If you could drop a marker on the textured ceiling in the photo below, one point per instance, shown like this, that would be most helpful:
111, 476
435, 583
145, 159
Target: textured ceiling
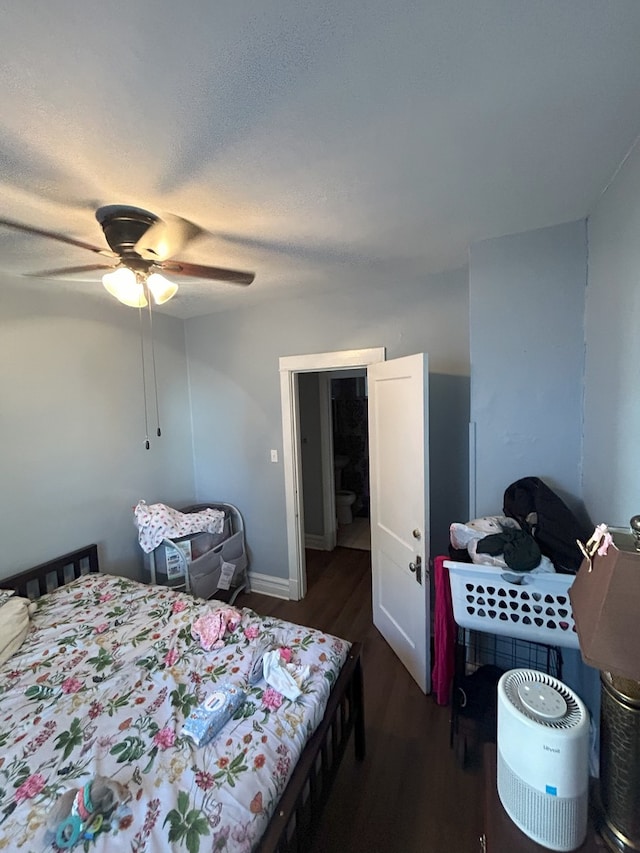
316, 141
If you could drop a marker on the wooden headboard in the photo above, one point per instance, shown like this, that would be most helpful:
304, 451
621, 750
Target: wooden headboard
46, 577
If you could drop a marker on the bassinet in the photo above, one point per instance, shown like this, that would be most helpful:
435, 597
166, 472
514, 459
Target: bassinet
204, 564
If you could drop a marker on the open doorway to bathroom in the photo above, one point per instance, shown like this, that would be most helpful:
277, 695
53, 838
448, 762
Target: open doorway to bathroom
292, 369
350, 428
334, 436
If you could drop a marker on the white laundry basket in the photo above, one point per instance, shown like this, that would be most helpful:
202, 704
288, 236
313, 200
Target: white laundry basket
537, 609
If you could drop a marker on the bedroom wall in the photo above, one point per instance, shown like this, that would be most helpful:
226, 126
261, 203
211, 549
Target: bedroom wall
612, 389
73, 464
527, 298
235, 384
526, 294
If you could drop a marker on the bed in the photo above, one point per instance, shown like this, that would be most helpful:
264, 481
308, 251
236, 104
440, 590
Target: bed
95, 700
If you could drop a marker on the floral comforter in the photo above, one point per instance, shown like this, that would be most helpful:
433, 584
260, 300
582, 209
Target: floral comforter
100, 689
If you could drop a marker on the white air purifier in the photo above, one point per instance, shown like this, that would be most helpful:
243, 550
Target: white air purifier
543, 758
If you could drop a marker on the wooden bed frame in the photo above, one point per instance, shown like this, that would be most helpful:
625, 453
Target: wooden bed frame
296, 818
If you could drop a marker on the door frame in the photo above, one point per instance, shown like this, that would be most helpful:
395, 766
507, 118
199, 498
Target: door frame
290, 367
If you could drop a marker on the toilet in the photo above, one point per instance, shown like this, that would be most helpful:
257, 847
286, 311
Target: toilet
344, 498
344, 502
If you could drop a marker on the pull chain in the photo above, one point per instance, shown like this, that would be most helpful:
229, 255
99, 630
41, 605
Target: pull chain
147, 444
153, 361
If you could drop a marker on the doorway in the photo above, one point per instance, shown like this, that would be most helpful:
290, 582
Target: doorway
290, 369
350, 418
334, 435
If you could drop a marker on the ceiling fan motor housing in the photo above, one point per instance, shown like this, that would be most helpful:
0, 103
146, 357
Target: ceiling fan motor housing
543, 758
123, 226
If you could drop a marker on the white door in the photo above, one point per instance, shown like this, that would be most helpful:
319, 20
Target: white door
399, 457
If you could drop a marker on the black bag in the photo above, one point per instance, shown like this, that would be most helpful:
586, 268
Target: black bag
549, 520
475, 712
476, 695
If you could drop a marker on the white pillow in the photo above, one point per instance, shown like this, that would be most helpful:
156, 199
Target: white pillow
15, 619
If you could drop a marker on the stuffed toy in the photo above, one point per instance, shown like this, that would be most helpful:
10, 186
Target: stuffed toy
81, 813
497, 540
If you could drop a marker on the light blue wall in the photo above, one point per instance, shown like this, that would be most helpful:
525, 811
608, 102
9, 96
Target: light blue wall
235, 383
72, 461
526, 303
612, 376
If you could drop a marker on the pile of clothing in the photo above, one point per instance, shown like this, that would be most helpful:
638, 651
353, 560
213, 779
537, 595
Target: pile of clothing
272, 664
497, 540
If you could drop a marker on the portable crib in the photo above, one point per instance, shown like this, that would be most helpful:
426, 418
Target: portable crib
199, 563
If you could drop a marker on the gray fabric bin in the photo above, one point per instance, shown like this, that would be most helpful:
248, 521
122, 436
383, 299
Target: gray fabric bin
201, 543
204, 572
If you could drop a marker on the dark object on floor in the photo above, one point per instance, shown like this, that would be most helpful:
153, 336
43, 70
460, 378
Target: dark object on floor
474, 711
544, 515
476, 698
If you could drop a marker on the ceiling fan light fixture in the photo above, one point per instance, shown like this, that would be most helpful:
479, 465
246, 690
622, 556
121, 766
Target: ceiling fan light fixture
139, 241
161, 288
124, 284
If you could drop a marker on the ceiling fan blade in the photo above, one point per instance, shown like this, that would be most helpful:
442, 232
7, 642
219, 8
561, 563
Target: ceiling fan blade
166, 237
67, 270
61, 238
216, 273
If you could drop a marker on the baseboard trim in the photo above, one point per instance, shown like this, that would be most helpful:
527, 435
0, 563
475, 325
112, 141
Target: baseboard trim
316, 542
269, 585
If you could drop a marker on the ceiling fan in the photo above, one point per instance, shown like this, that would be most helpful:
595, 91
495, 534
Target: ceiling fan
142, 246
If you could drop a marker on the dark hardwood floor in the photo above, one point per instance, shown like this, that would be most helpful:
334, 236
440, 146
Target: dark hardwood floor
408, 795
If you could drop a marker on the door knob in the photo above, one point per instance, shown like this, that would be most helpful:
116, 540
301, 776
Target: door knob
416, 534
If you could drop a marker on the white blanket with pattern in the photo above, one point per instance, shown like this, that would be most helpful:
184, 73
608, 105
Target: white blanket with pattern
156, 522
